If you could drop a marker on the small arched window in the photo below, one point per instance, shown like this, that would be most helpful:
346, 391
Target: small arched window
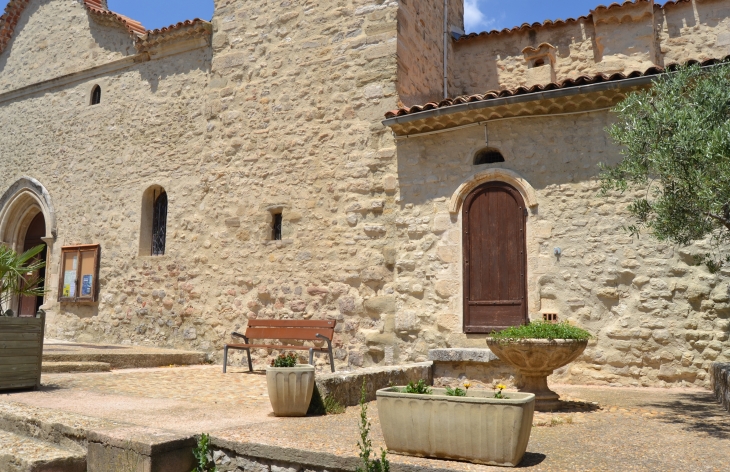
153, 228
159, 224
96, 95
488, 156
539, 62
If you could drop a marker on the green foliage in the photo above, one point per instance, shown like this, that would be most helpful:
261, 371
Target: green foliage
675, 140
332, 406
365, 445
284, 360
542, 330
498, 391
14, 270
203, 456
455, 392
420, 388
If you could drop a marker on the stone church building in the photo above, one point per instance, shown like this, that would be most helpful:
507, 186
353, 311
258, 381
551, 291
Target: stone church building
297, 159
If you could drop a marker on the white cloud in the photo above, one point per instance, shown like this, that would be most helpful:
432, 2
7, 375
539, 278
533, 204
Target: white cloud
474, 18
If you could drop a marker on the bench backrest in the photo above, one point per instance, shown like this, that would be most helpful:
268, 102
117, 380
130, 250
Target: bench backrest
303, 330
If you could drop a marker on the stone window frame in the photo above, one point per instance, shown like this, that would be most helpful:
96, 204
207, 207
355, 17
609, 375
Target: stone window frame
147, 220
95, 98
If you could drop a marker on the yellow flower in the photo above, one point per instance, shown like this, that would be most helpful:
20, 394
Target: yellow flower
501, 386
467, 384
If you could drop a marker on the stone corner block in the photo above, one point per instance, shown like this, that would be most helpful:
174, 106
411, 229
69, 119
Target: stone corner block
148, 449
481, 356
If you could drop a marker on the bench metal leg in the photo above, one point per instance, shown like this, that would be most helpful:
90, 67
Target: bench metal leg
332, 358
225, 358
311, 356
250, 365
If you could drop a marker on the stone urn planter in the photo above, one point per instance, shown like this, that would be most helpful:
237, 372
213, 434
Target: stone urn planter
477, 428
290, 389
535, 359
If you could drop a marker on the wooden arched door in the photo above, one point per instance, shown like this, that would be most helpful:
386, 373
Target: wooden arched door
495, 263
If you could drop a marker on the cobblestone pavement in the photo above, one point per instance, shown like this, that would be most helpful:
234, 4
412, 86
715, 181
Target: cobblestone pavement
604, 429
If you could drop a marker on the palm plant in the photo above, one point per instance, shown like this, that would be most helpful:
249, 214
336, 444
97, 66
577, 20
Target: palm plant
16, 278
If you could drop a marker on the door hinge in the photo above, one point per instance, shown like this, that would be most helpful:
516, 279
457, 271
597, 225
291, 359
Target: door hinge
525, 210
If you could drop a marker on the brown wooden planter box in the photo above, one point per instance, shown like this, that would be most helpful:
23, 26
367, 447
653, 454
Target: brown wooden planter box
21, 352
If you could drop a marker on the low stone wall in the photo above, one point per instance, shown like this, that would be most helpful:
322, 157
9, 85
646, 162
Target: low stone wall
345, 386
453, 366
720, 381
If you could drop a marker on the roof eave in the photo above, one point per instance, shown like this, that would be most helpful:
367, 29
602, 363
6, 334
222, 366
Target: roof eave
528, 97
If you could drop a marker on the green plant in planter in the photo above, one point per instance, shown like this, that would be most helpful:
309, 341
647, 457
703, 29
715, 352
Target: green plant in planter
14, 279
365, 444
542, 330
419, 388
285, 360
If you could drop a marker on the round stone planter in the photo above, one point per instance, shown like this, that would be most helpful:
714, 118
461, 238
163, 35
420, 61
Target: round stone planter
290, 389
535, 359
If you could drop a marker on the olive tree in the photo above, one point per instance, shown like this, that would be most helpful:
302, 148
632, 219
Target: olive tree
17, 275
675, 142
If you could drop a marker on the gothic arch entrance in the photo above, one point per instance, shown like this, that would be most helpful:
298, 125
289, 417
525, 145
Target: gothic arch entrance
495, 260
27, 219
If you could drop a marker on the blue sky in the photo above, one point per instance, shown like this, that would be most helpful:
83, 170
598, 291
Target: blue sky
481, 15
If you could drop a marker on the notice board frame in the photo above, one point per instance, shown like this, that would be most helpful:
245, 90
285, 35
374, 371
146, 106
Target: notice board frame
78, 274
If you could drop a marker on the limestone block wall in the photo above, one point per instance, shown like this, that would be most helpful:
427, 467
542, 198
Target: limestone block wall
632, 37
657, 318
421, 49
39, 52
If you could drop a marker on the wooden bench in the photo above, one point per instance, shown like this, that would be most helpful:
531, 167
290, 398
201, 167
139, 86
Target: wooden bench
294, 330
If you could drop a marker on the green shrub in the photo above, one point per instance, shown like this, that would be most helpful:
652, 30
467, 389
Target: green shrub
332, 406
203, 456
284, 360
455, 392
365, 445
542, 330
419, 388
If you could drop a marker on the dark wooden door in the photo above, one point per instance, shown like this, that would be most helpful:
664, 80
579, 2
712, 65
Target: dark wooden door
28, 306
495, 263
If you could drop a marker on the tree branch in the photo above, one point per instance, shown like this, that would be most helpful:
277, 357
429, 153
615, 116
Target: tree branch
725, 222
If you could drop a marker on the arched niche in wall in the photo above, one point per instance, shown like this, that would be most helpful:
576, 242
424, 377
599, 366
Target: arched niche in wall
490, 175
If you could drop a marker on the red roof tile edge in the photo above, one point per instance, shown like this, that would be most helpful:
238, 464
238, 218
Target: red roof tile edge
14, 8
527, 26
582, 80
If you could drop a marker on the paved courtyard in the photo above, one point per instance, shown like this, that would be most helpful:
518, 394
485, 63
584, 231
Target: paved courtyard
634, 429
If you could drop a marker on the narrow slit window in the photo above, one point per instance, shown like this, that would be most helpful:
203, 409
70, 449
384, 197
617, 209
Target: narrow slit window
276, 236
96, 95
159, 224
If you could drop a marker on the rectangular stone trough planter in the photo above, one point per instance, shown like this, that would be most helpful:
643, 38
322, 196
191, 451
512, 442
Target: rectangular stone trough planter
477, 428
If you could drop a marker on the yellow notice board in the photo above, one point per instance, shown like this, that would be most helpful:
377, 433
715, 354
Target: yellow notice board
79, 273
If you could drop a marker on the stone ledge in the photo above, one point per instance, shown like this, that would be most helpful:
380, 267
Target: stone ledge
345, 386
480, 355
720, 382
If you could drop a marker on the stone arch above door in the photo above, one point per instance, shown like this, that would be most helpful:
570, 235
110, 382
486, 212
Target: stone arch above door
21, 202
493, 175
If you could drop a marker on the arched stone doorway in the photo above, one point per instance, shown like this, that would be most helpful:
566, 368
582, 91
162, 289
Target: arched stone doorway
28, 219
495, 262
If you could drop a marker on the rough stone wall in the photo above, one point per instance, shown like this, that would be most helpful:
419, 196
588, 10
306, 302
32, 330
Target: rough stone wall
720, 383
38, 52
657, 318
619, 39
421, 49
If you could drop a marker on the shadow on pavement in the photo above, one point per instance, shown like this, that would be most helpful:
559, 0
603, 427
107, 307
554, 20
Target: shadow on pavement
696, 412
531, 459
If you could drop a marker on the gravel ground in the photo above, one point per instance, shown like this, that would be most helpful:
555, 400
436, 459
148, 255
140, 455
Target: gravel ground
604, 428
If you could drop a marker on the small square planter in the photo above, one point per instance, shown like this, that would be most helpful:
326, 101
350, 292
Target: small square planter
290, 389
477, 428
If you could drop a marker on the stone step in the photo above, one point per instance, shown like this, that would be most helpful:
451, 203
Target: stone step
119, 356
74, 367
24, 454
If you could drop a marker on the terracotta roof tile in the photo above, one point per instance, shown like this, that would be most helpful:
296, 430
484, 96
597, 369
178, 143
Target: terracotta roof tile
578, 81
98, 8
529, 26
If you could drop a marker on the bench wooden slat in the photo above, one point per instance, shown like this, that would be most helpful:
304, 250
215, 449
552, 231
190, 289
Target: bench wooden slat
304, 334
283, 347
292, 323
